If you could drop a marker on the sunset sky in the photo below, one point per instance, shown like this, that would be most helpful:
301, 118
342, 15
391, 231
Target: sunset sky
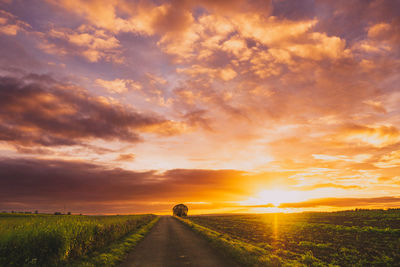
121, 106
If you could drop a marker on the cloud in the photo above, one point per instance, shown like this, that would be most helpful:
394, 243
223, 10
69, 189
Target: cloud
38, 110
378, 30
89, 42
376, 106
386, 33
198, 118
357, 158
236, 6
155, 79
328, 185
37, 183
346, 202
14, 57
378, 136
141, 17
126, 157
224, 74
321, 47
145, 17
118, 85
389, 160
10, 24
382, 38
99, 13
167, 128
183, 34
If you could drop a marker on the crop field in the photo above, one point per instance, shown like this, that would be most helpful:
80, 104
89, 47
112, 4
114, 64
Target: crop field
350, 238
50, 240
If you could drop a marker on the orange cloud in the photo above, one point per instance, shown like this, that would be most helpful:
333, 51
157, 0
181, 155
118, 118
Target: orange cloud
321, 47
377, 30
118, 85
376, 136
328, 185
346, 202
355, 158
389, 160
100, 13
86, 41
382, 38
126, 157
225, 74
10, 24
167, 128
376, 105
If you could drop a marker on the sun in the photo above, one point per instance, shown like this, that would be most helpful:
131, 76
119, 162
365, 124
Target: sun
276, 197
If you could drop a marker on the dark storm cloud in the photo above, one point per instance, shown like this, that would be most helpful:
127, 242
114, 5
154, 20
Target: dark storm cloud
38, 110
41, 182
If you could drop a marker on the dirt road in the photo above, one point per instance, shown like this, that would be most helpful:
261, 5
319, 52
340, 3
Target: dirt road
171, 243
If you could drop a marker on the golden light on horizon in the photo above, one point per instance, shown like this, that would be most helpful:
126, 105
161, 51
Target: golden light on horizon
276, 197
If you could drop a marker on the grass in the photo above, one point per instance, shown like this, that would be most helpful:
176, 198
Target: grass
117, 252
358, 238
56, 240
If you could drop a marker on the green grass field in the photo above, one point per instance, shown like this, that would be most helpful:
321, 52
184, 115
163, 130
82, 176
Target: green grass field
52, 240
351, 238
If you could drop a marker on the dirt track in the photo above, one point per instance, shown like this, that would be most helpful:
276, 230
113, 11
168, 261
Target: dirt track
170, 243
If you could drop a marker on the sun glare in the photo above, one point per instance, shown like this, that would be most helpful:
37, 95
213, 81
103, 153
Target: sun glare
275, 197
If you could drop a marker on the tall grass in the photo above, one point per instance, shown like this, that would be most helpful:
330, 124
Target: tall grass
48, 240
116, 252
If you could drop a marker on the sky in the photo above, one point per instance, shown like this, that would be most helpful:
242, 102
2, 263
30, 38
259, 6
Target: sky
118, 106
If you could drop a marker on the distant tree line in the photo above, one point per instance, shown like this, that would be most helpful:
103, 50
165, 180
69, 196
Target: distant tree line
36, 212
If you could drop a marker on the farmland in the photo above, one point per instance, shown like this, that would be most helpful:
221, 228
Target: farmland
50, 240
350, 238
347, 238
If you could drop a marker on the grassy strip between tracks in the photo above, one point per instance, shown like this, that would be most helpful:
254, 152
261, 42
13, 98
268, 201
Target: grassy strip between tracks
243, 253
116, 252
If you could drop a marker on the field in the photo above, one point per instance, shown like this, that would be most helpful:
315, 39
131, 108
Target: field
50, 240
350, 238
347, 238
